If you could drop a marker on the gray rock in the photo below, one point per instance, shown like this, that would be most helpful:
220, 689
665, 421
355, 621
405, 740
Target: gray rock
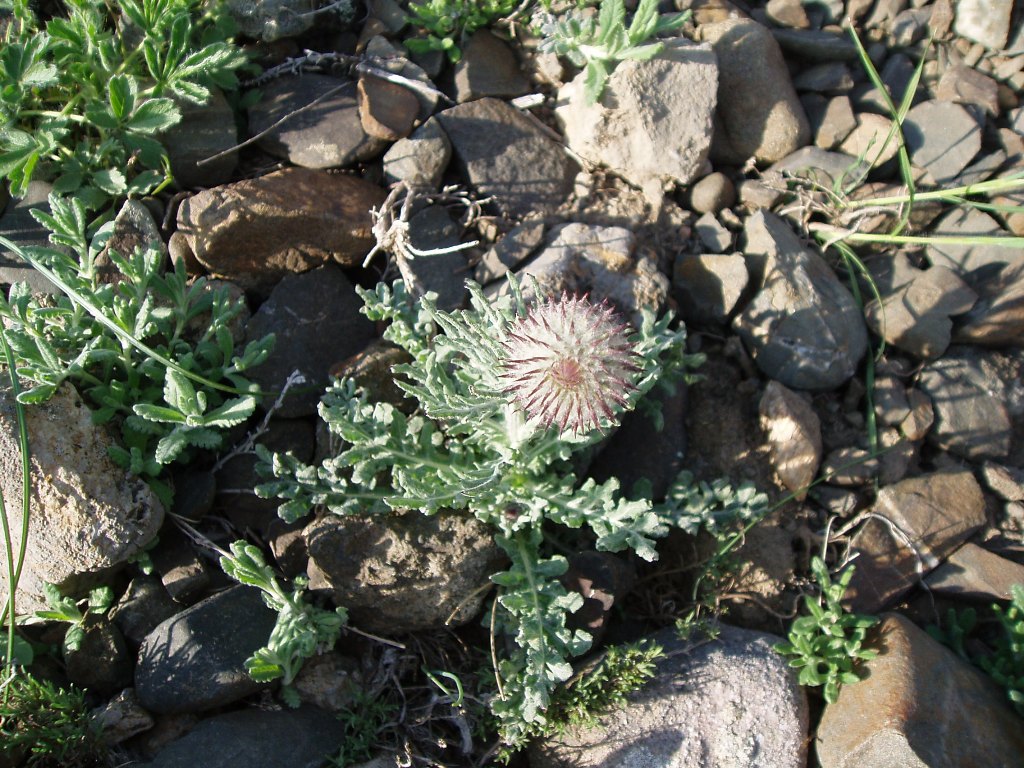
195, 661
102, 663
443, 273
18, 226
966, 85
891, 402
392, 59
509, 252
916, 524
942, 137
921, 417
327, 135
997, 318
205, 130
803, 327
183, 573
505, 154
488, 68
316, 319
823, 78
787, 13
816, 44
794, 437
403, 573
975, 573
761, 116
88, 515
909, 27
387, 110
850, 467
143, 606
731, 702
966, 258
122, 717
984, 21
270, 20
816, 164
708, 287
420, 159
971, 418
134, 229
712, 193
283, 738
918, 705
653, 122
1005, 482
712, 235
870, 139
916, 317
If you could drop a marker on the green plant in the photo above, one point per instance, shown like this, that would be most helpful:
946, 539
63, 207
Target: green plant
825, 644
361, 723
598, 44
84, 99
134, 346
73, 612
49, 724
302, 629
494, 435
449, 22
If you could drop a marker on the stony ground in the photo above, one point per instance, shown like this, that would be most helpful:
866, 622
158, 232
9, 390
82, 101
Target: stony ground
677, 190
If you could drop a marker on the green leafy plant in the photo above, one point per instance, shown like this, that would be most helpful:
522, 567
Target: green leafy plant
84, 98
501, 391
361, 722
826, 644
302, 629
134, 346
47, 726
75, 612
598, 44
448, 23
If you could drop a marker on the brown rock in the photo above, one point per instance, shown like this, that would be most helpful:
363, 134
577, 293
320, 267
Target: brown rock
794, 435
919, 705
975, 573
258, 230
386, 110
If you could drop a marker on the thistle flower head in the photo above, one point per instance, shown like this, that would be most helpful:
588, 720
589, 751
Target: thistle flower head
569, 363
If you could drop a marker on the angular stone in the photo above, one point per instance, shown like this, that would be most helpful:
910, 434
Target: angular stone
504, 154
975, 573
850, 467
997, 319
943, 138
18, 225
443, 273
803, 326
488, 68
837, 121
868, 139
652, 124
88, 516
918, 706
258, 230
794, 437
195, 145
509, 252
967, 258
122, 717
816, 44
984, 21
921, 417
195, 661
708, 287
386, 110
917, 523
1005, 482
966, 85
729, 702
761, 116
421, 159
270, 20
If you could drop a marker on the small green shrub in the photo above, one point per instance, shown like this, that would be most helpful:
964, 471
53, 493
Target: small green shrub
449, 22
73, 613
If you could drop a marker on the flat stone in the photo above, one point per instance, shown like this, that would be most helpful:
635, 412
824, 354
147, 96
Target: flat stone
421, 159
709, 286
761, 116
794, 437
868, 140
984, 21
971, 417
816, 164
965, 221
488, 68
387, 110
18, 225
919, 705
1006, 482
443, 273
195, 661
317, 321
975, 573
836, 122
916, 317
653, 121
916, 424
256, 231
205, 130
270, 20
850, 467
816, 44
803, 326
942, 137
787, 13
509, 252
504, 154
997, 318
729, 702
822, 78
89, 516
966, 85
327, 135
142, 607
712, 235
925, 519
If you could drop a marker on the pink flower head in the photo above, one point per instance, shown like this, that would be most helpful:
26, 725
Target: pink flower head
569, 363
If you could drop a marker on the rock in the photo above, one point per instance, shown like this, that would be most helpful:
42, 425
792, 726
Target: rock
504, 154
599, 261
371, 370
443, 273
327, 135
967, 258
258, 230
787, 13
205, 131
121, 718
712, 193
195, 661
746, 710
824, 78
89, 516
916, 317
509, 252
393, 60
488, 68
942, 138
387, 110
918, 522
316, 319
816, 164
835, 123
708, 287
330, 681
183, 573
284, 738
891, 402
143, 606
794, 437
761, 116
134, 229
102, 663
921, 417
652, 124
850, 467
816, 44
971, 418
918, 705
997, 318
909, 27
270, 20
712, 235
421, 159
870, 139
803, 326
602, 580
974, 573
966, 85
984, 21
18, 226
1006, 482
403, 573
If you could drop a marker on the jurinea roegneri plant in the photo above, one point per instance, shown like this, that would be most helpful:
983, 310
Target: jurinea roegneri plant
505, 393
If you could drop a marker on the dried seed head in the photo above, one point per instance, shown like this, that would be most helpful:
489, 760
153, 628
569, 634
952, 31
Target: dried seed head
568, 363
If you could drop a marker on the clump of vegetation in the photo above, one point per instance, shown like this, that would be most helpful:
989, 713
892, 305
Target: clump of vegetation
448, 23
74, 612
826, 643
